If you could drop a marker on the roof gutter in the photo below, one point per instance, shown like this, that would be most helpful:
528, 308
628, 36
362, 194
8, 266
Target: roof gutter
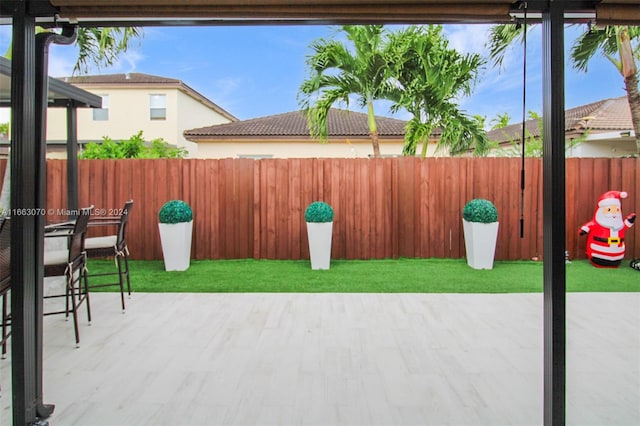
624, 134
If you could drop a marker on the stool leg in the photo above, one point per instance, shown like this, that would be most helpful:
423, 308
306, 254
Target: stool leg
126, 269
120, 273
5, 318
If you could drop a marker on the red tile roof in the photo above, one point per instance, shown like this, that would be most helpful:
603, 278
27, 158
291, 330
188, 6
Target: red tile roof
126, 78
294, 124
601, 116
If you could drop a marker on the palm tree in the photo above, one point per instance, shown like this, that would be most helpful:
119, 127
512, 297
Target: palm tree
616, 43
98, 46
430, 78
341, 70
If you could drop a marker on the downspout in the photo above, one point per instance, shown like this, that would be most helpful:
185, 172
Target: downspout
43, 40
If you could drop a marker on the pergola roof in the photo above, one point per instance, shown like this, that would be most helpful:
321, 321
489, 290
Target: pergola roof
60, 94
91, 12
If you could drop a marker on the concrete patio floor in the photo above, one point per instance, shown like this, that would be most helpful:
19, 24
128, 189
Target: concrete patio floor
336, 359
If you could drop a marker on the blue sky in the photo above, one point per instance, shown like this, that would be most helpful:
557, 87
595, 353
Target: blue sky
256, 71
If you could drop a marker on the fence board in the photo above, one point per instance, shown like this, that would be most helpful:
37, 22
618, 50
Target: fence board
363, 209
630, 176
403, 217
296, 218
394, 225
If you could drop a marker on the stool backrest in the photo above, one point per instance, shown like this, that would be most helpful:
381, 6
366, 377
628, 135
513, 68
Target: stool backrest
76, 240
124, 218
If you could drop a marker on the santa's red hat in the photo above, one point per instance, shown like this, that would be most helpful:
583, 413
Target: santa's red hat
611, 198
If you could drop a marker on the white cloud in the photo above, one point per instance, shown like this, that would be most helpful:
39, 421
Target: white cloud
128, 61
61, 65
225, 92
227, 85
469, 38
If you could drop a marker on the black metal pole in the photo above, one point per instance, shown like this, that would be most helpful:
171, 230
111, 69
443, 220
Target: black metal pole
554, 215
72, 158
29, 89
26, 234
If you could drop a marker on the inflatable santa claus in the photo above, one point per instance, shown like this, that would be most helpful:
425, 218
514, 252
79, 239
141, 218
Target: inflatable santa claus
605, 241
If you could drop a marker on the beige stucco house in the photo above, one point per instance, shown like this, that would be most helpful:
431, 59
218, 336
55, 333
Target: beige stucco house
601, 129
287, 136
161, 107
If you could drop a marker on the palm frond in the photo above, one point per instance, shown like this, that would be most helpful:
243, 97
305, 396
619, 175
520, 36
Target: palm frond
587, 45
102, 46
500, 38
462, 133
416, 133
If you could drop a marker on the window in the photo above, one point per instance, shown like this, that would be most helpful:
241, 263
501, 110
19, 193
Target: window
102, 114
158, 107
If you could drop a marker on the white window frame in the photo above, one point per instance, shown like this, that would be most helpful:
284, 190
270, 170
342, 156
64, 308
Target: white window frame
157, 106
102, 114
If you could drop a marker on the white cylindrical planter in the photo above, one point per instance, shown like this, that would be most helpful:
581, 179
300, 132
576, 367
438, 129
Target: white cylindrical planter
480, 243
319, 234
176, 245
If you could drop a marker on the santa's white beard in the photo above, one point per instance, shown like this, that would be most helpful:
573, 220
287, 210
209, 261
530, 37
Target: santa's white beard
613, 222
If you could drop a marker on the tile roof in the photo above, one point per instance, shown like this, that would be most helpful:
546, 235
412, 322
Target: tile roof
601, 116
126, 78
294, 124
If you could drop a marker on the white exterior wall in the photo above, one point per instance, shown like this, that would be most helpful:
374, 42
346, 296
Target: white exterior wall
192, 115
604, 148
129, 113
287, 149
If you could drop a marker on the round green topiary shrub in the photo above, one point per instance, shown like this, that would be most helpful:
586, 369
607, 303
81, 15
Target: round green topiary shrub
175, 211
480, 210
318, 211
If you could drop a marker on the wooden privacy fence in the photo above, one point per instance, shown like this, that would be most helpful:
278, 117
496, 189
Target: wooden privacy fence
384, 208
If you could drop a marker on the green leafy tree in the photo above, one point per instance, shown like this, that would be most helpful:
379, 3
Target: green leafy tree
500, 121
107, 149
134, 147
357, 67
533, 144
160, 148
430, 78
619, 44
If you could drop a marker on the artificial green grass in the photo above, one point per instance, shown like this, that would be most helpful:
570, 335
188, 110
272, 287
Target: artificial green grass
367, 276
